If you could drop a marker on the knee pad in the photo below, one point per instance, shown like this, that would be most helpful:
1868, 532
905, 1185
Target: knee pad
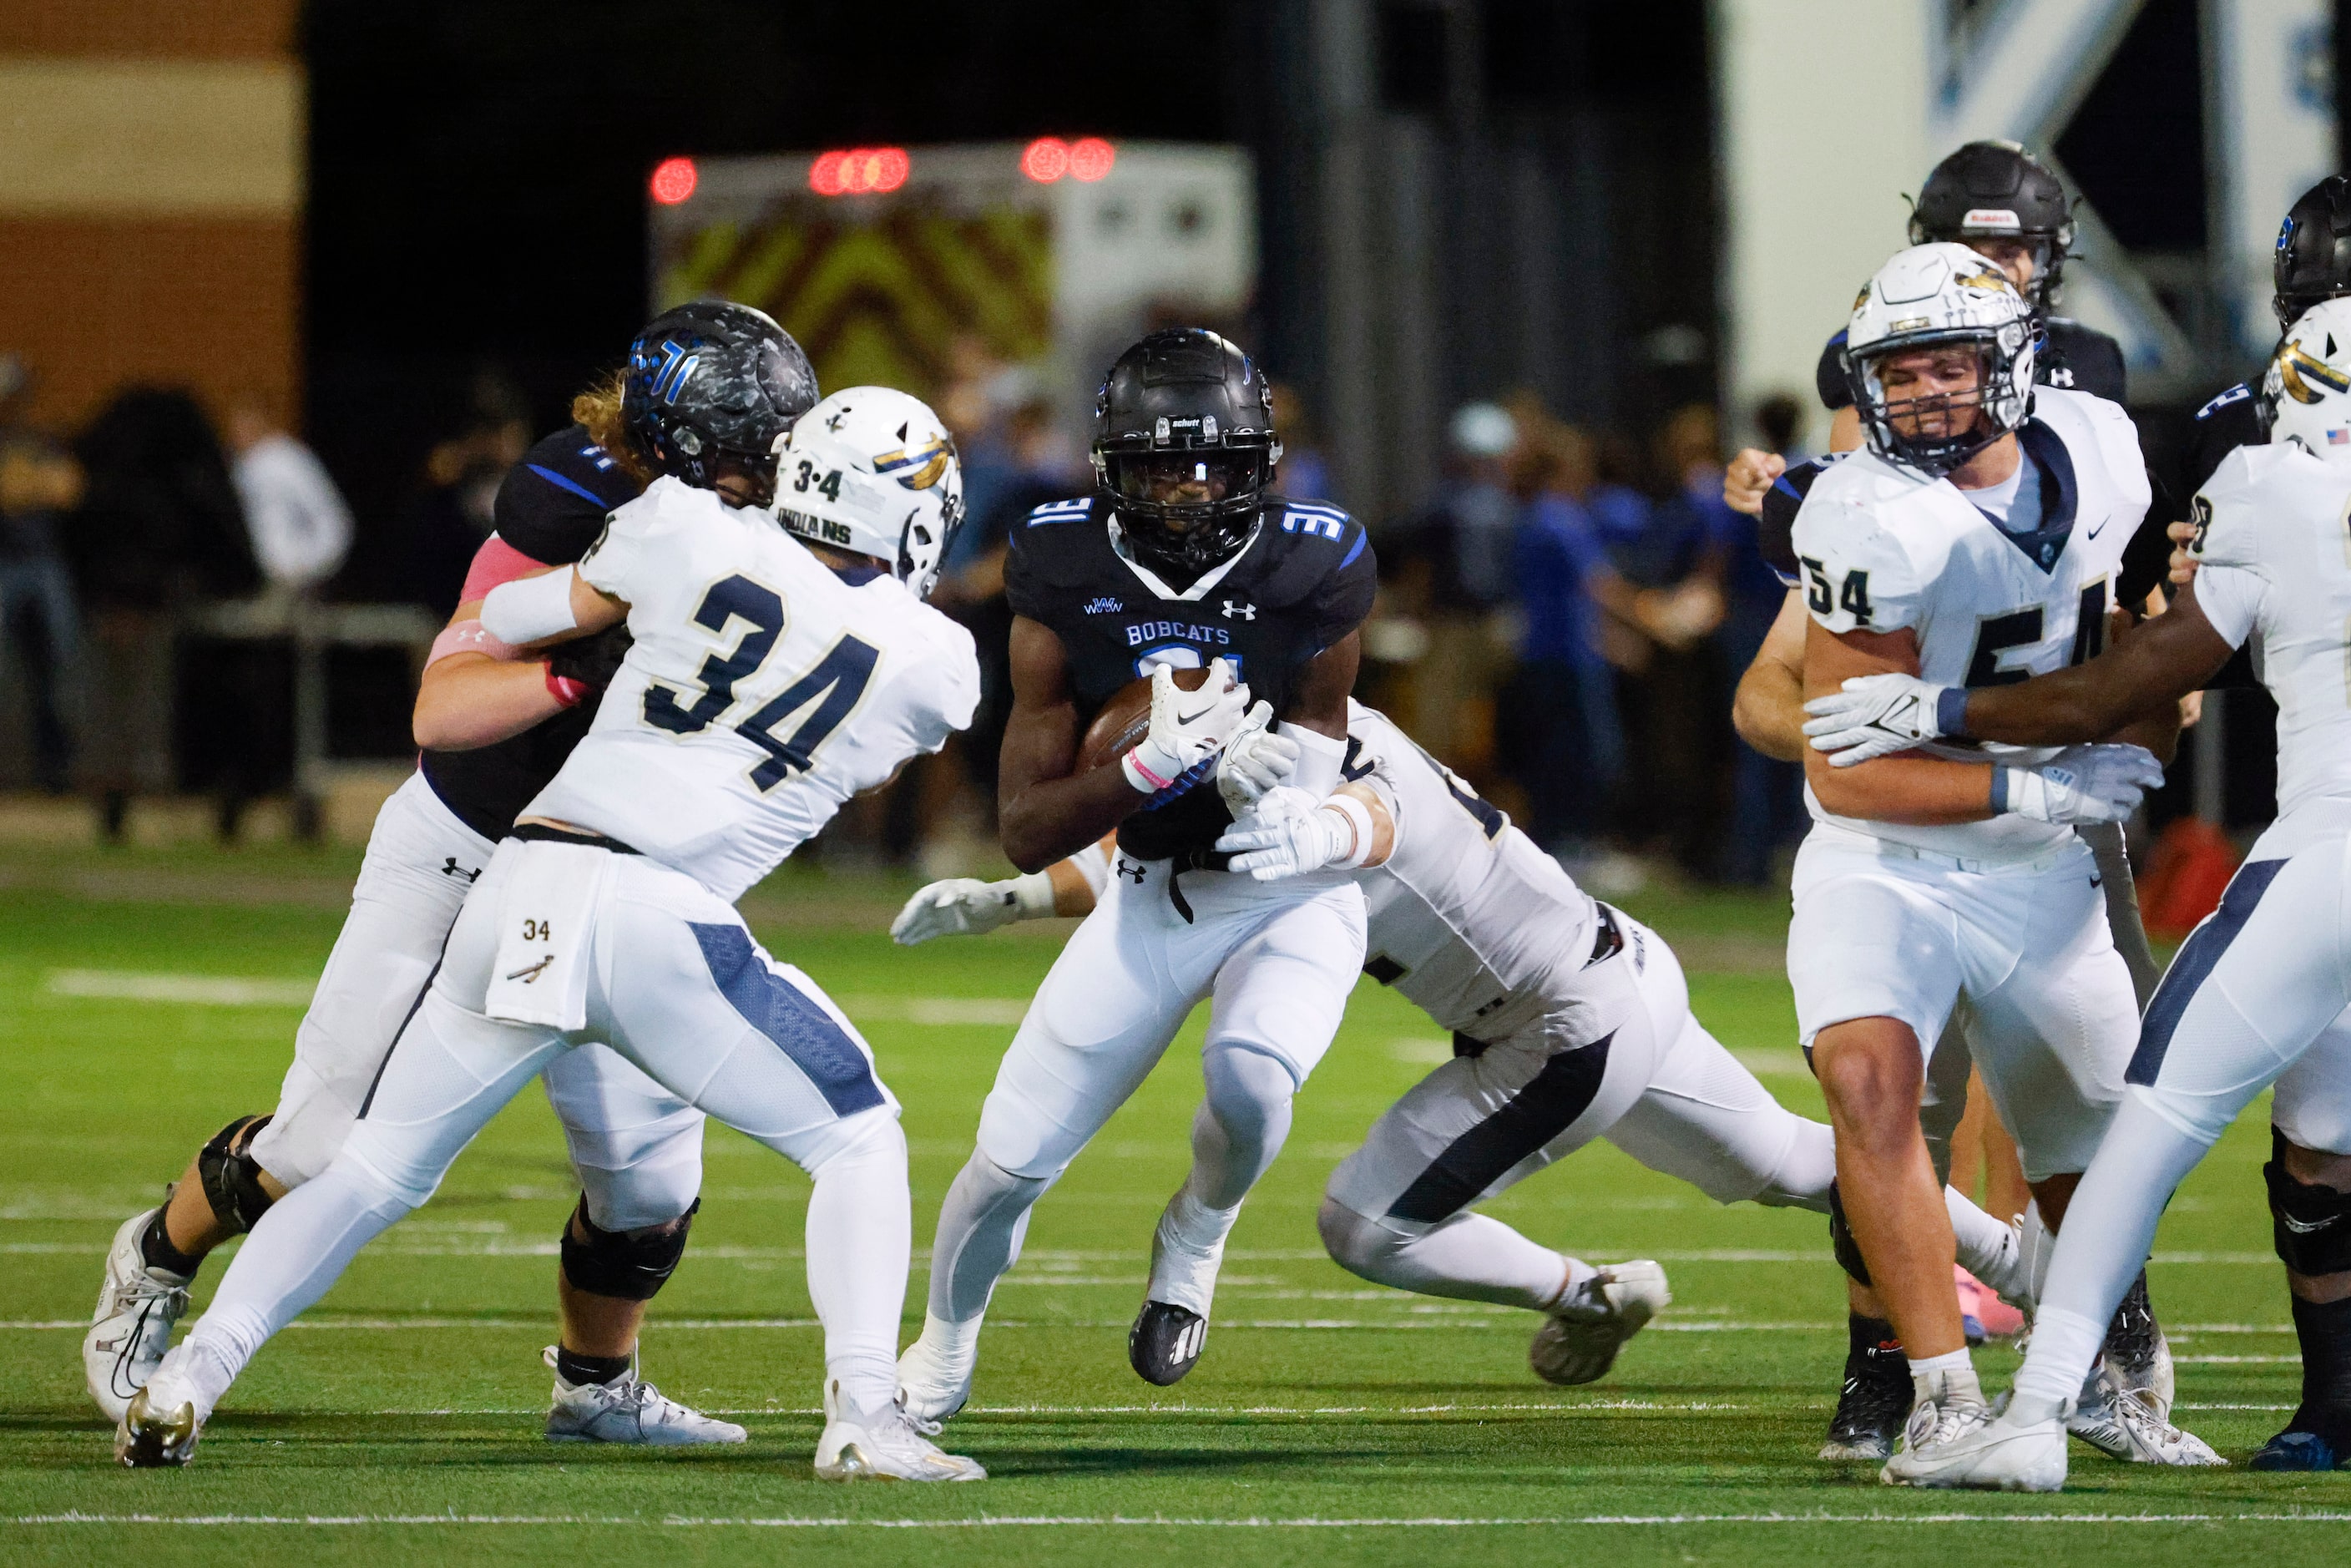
2311, 1225
1246, 1084
1841, 1241
1354, 1243
630, 1265
232, 1177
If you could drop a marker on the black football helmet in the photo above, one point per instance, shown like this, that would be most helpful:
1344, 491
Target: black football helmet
1184, 409
1996, 190
2314, 249
709, 379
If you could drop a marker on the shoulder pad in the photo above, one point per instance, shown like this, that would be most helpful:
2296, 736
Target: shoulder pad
2235, 393
1312, 541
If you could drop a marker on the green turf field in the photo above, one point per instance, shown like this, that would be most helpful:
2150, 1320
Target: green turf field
1331, 1421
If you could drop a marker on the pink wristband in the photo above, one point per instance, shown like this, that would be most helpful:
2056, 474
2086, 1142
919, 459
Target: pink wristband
567, 691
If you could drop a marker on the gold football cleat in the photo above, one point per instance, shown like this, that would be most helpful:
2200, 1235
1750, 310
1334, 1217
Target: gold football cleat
147, 1438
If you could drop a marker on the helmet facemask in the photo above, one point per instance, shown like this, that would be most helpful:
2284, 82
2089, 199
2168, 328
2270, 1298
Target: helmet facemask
1186, 508
1945, 429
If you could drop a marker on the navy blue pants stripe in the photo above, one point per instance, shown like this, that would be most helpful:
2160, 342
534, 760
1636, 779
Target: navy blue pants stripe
2194, 965
1536, 1114
799, 1029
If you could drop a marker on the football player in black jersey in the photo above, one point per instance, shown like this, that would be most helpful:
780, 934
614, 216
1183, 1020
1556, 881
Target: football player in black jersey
708, 392
1180, 558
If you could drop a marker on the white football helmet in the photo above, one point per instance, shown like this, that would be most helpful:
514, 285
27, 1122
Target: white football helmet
2308, 384
1927, 295
873, 472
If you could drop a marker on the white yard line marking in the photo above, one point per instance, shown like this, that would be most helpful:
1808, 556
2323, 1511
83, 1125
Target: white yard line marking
203, 990
250, 991
1048, 1522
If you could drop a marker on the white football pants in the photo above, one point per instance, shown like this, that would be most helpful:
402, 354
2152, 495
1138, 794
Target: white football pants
1276, 960
1880, 931
676, 986
2254, 998
636, 1148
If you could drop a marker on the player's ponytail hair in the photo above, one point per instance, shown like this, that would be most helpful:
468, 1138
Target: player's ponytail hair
599, 410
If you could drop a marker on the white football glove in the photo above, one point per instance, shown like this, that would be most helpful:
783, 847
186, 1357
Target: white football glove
2080, 784
1255, 761
1187, 730
1289, 834
966, 906
1876, 715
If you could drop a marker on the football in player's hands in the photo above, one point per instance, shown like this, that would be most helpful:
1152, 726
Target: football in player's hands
1187, 724
1125, 718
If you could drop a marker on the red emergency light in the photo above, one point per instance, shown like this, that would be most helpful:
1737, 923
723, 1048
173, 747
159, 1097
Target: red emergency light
1049, 158
858, 170
674, 180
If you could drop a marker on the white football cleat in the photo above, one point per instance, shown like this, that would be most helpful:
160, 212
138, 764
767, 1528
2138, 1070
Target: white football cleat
1965, 1445
935, 1374
2125, 1424
1582, 1333
628, 1410
132, 1328
159, 1428
889, 1446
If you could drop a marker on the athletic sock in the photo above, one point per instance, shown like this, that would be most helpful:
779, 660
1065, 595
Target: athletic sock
155, 1248
578, 1369
1868, 1338
860, 1233
2325, 1330
1949, 1378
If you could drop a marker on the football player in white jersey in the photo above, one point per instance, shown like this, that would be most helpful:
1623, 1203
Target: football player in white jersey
2258, 993
769, 679
1571, 1021
1974, 541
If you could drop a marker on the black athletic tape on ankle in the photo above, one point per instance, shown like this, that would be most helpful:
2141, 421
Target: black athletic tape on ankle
576, 1369
155, 1248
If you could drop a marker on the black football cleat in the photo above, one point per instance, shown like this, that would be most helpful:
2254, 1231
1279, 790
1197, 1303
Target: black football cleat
1165, 1342
2294, 1450
1873, 1406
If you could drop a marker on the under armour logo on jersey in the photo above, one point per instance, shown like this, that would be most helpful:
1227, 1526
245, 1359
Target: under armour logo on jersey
1126, 867
1104, 604
2060, 377
449, 867
1235, 608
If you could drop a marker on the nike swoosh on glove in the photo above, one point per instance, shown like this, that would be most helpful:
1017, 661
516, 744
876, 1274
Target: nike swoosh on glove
1876, 716
2080, 784
1187, 730
1254, 761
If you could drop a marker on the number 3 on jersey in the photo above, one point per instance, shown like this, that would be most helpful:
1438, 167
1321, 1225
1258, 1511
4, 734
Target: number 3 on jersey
839, 679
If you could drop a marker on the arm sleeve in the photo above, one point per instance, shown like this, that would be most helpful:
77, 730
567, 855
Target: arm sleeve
496, 562
1856, 575
2231, 598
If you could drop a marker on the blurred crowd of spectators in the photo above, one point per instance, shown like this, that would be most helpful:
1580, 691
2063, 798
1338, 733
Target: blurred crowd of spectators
1561, 623
1564, 623
108, 538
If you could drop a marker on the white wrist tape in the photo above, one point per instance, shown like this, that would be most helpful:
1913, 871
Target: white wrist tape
1358, 819
1319, 758
530, 608
1032, 895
